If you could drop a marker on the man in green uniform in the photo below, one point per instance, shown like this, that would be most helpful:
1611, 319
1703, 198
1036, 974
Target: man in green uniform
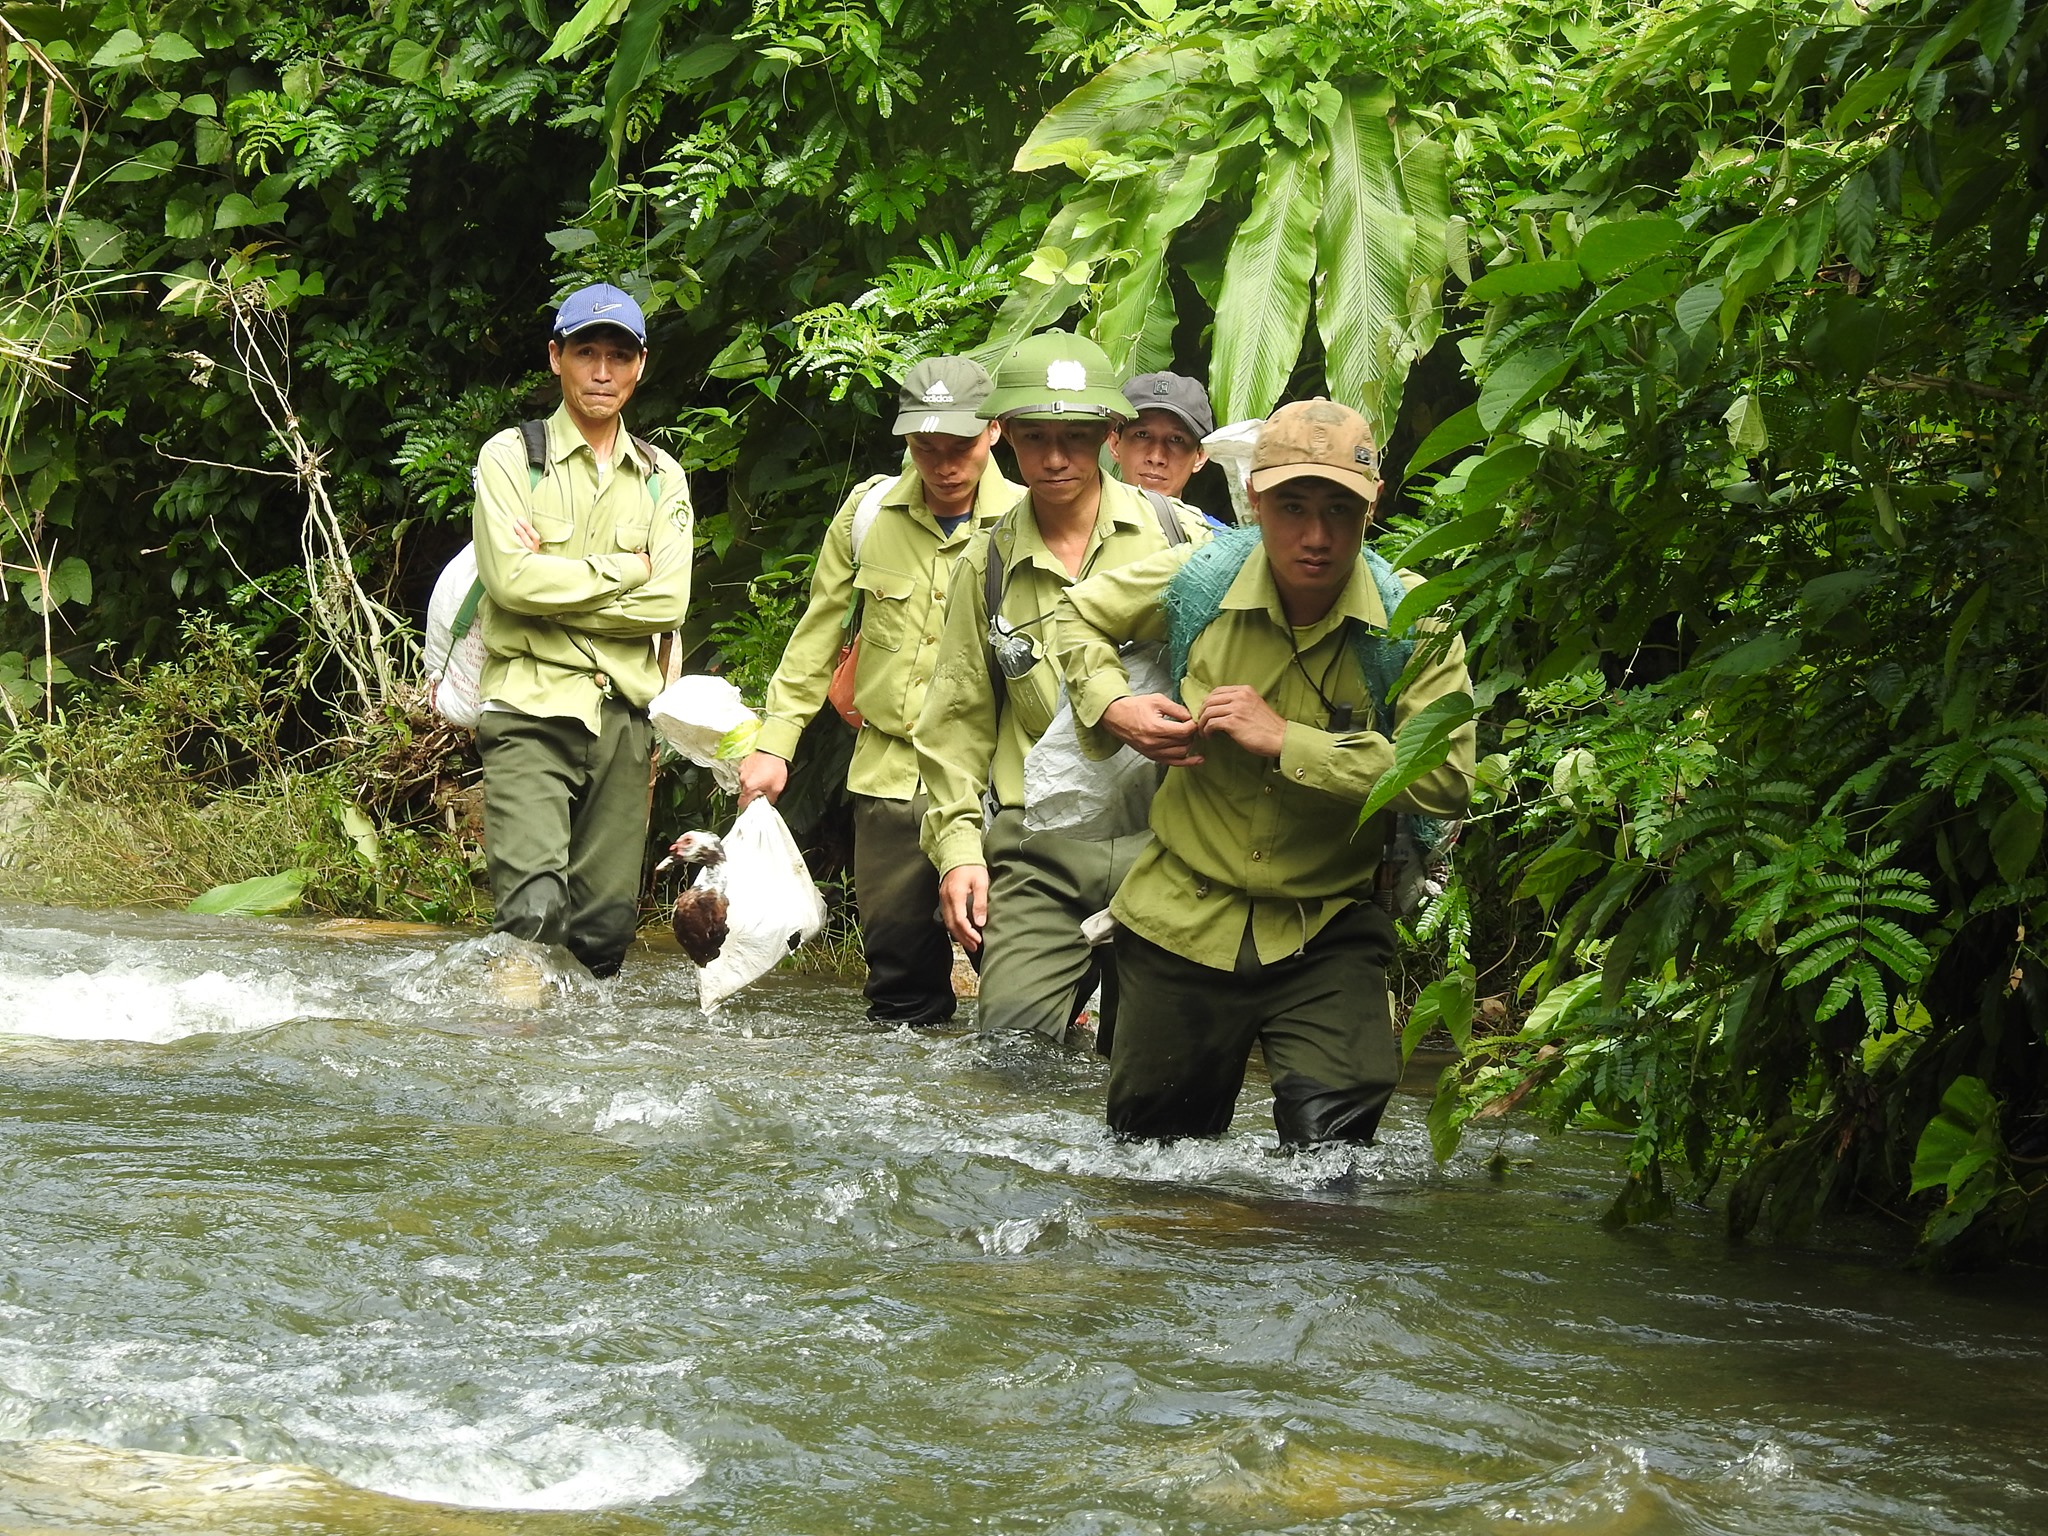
1017, 899
583, 550
1251, 918
908, 529
1161, 447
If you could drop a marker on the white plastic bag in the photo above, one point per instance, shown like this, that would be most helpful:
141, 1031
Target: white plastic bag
455, 664
1230, 447
699, 716
772, 904
1067, 792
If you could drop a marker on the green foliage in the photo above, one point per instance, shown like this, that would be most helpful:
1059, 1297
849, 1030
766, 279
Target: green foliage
1757, 437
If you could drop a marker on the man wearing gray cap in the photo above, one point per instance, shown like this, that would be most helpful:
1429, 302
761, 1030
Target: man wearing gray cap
877, 610
583, 553
1161, 447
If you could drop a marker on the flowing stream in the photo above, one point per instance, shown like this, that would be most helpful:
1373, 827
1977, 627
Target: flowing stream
328, 1229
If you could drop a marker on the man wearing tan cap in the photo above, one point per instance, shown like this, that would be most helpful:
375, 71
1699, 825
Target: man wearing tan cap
882, 574
1250, 919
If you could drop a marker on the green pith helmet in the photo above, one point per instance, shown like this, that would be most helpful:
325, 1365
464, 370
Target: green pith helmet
1056, 376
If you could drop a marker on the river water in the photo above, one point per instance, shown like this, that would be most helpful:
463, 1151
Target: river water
320, 1230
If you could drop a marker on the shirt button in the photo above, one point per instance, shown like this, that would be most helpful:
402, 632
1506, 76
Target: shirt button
1256, 855
1201, 887
1267, 790
1297, 773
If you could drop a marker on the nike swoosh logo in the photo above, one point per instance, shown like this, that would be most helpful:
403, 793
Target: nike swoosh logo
604, 309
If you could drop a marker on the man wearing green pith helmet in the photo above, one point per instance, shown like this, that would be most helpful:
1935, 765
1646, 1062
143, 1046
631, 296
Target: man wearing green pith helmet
1019, 900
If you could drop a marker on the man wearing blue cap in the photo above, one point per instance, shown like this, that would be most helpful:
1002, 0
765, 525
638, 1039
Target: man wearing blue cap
583, 551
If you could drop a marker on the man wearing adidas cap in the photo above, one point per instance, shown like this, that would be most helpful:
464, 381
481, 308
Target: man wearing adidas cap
908, 528
1019, 900
1251, 917
583, 552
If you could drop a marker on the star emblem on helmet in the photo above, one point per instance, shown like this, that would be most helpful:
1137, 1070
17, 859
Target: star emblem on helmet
1066, 373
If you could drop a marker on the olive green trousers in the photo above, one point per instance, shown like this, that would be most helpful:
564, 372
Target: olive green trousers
909, 955
1036, 969
1321, 1015
565, 828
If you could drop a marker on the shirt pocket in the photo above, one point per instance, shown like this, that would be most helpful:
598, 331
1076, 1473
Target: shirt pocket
885, 605
554, 527
632, 531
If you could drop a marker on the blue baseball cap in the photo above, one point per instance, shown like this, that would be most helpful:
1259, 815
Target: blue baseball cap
600, 304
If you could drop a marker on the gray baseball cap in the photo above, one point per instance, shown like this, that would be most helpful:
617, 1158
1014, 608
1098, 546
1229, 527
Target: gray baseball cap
1174, 392
940, 395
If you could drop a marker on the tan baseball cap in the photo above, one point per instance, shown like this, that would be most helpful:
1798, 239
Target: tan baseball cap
1317, 438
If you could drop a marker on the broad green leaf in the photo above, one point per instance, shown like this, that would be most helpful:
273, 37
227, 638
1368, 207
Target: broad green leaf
1559, 1002
1370, 311
591, 17
411, 61
1460, 430
123, 50
1422, 744
170, 48
153, 162
1474, 528
1768, 650
1133, 301
1647, 285
1426, 188
1262, 313
265, 896
237, 212
1522, 378
1618, 244
701, 61
1523, 279
1498, 472
1090, 113
2015, 839
1697, 305
1856, 220
1865, 95
739, 741
741, 358
637, 53
1446, 1001
70, 581
1747, 434
574, 238
1966, 1128
363, 833
97, 243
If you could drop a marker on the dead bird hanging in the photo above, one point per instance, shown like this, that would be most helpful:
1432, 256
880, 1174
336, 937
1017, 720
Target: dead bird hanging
699, 918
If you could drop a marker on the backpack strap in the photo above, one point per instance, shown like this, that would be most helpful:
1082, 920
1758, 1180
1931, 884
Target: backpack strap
864, 516
1169, 525
992, 585
535, 435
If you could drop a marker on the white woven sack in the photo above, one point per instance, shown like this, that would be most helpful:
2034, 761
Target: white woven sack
695, 714
455, 668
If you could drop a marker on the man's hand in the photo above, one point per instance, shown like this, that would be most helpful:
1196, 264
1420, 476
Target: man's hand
963, 903
1237, 711
1158, 727
763, 776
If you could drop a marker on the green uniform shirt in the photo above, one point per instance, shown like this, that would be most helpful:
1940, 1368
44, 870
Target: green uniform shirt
905, 568
961, 744
562, 624
1242, 838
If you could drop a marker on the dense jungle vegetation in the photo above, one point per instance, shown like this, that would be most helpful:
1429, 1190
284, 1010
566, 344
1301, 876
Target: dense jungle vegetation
1707, 339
